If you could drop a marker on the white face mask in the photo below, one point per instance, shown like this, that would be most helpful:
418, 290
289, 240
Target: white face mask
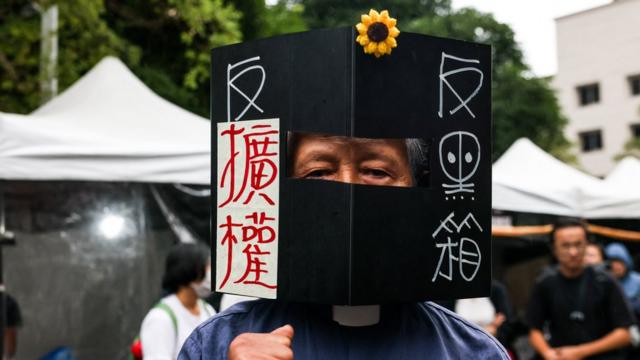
203, 288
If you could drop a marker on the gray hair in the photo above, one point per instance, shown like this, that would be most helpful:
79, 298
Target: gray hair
418, 156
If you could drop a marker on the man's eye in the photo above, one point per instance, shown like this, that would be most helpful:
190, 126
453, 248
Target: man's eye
318, 174
376, 173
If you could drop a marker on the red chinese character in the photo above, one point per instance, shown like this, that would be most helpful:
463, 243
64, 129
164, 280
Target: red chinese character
260, 170
230, 239
265, 234
254, 266
229, 168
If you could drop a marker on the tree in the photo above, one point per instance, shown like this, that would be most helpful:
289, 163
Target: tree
523, 106
631, 148
176, 37
84, 39
283, 18
333, 13
260, 21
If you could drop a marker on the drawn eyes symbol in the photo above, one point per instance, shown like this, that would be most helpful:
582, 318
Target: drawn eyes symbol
468, 158
451, 157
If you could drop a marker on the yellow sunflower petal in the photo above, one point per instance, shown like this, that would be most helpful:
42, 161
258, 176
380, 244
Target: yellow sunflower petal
384, 16
391, 22
366, 19
377, 54
371, 47
393, 32
388, 50
362, 40
382, 47
374, 15
391, 42
362, 28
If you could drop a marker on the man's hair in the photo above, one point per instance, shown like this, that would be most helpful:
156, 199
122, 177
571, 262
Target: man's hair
185, 264
562, 223
418, 156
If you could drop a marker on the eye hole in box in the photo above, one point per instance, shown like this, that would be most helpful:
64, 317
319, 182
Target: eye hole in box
383, 162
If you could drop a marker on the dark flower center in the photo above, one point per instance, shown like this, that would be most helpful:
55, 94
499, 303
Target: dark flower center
377, 32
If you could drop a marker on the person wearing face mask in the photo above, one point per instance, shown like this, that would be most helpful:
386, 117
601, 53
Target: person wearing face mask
187, 279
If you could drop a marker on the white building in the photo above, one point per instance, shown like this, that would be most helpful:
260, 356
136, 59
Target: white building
598, 80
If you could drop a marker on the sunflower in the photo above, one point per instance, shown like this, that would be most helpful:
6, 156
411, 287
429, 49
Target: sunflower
377, 33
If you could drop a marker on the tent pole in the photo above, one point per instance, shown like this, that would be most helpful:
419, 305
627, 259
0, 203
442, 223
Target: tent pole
48, 53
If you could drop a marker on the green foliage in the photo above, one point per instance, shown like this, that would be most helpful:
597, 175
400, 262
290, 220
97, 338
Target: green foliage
283, 18
333, 13
631, 148
472, 25
167, 44
19, 57
526, 107
176, 37
252, 21
260, 21
84, 39
522, 106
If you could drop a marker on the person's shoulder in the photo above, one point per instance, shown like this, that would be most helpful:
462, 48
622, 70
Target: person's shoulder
600, 274
171, 301
635, 276
463, 334
548, 277
211, 338
548, 274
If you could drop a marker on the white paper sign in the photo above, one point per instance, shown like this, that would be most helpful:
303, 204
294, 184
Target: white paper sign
247, 207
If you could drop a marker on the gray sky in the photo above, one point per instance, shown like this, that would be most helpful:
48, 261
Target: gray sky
532, 21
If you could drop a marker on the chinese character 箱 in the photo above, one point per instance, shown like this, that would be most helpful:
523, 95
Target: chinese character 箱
465, 252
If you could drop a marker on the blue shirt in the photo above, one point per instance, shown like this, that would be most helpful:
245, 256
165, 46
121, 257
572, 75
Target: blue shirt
405, 331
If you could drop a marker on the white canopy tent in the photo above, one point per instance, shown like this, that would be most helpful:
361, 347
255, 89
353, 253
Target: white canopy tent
624, 180
527, 179
108, 126
626, 175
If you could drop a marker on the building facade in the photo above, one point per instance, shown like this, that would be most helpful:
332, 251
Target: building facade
598, 81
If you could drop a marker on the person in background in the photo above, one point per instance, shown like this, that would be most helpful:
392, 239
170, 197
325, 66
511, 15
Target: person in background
12, 321
594, 255
187, 279
621, 266
584, 308
492, 313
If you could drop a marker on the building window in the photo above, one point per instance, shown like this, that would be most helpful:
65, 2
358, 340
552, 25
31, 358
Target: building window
588, 94
635, 131
591, 140
634, 84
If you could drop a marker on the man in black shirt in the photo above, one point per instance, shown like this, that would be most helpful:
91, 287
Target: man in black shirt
584, 308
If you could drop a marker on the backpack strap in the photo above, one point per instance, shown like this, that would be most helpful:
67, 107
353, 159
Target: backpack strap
167, 309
